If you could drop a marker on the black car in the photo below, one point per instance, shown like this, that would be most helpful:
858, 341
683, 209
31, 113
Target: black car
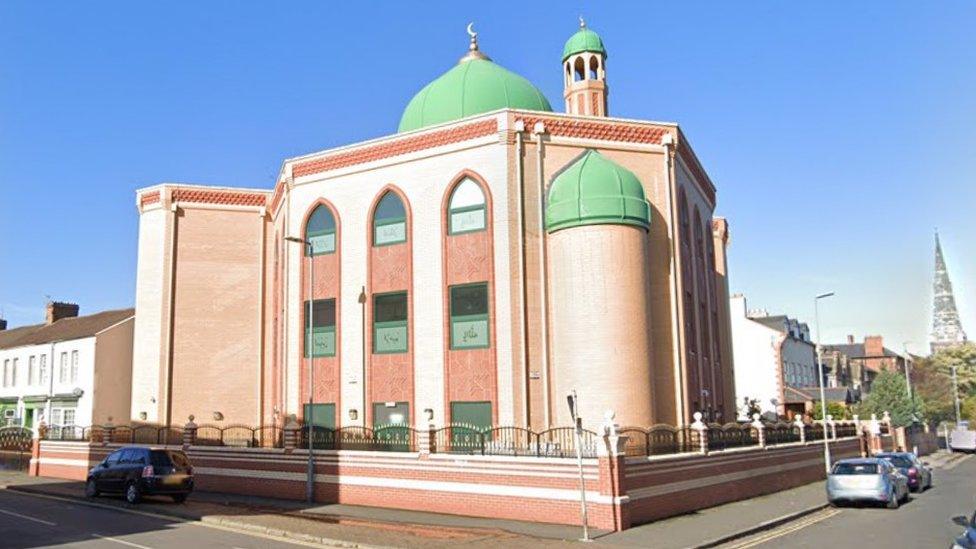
135, 472
918, 473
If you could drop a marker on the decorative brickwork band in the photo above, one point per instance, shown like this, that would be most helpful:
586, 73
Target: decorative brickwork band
226, 198
149, 198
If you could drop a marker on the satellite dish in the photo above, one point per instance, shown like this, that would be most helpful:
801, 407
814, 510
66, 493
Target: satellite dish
77, 392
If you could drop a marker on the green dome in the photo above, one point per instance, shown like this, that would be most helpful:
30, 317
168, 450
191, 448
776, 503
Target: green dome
595, 190
474, 86
583, 40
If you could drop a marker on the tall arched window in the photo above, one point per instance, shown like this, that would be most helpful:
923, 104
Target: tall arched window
467, 208
321, 231
389, 221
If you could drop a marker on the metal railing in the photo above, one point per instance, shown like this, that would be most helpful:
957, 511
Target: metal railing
511, 441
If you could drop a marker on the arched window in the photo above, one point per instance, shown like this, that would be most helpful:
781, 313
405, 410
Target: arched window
321, 231
579, 70
594, 74
389, 221
466, 210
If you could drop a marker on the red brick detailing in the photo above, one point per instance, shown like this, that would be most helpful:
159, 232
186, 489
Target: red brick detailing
469, 374
228, 198
604, 131
396, 147
279, 193
694, 166
149, 198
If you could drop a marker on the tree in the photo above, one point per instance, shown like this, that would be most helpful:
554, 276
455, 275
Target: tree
888, 394
967, 409
835, 409
933, 391
751, 406
963, 357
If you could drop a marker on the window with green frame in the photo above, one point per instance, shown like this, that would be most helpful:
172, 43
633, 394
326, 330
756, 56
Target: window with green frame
466, 209
321, 231
323, 337
389, 221
469, 316
390, 323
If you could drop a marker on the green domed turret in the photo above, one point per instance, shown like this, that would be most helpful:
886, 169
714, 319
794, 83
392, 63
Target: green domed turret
595, 190
584, 40
476, 85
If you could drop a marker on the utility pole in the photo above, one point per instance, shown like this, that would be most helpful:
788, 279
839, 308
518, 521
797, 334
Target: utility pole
820, 376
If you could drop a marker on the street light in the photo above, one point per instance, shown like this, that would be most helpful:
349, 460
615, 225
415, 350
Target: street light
820, 376
908, 378
310, 477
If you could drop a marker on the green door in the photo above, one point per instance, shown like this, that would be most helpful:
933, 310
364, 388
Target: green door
323, 419
391, 426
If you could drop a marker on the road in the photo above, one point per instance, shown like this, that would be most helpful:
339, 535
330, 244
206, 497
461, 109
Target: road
32, 521
926, 521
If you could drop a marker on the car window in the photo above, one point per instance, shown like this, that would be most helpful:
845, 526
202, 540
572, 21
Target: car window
126, 456
179, 459
113, 458
133, 456
900, 461
160, 458
856, 468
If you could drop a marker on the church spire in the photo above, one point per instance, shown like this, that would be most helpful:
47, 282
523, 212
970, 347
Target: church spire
946, 327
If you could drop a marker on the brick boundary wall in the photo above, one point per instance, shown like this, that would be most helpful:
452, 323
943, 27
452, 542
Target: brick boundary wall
620, 491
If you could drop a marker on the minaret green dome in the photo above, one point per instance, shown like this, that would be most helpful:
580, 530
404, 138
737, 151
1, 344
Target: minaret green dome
595, 190
476, 85
584, 40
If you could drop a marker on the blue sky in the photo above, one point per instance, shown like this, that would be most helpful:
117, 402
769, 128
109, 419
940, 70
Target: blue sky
839, 134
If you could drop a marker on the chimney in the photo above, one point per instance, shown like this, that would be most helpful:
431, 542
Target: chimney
873, 346
850, 339
56, 310
3, 324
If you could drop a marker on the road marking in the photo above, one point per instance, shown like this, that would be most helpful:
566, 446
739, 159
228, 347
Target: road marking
122, 541
192, 522
789, 529
45, 522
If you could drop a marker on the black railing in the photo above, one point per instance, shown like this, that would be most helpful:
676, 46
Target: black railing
384, 438
512, 441
731, 435
660, 439
781, 433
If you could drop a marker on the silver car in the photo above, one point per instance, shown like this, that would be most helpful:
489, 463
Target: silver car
866, 480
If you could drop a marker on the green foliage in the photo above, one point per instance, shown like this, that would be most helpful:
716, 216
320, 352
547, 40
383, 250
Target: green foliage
967, 409
933, 391
888, 394
835, 409
963, 358
751, 406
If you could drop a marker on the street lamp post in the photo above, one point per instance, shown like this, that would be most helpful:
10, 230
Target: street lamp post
820, 376
908, 378
309, 346
955, 393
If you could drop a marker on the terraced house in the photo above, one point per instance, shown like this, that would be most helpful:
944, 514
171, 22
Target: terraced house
69, 370
474, 267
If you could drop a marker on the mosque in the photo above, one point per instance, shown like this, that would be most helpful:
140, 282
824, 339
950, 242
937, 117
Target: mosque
475, 267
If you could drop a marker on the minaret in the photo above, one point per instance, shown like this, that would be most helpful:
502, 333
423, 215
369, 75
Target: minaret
946, 327
584, 73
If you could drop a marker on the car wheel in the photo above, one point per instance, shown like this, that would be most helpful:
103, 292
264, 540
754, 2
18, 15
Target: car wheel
180, 498
91, 491
132, 493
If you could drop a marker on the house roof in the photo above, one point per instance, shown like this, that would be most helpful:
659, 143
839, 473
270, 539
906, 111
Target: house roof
63, 329
798, 395
775, 322
856, 350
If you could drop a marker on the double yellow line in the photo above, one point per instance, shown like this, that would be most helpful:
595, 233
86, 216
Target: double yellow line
786, 529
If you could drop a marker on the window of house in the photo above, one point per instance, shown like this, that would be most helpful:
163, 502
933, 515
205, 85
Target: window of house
42, 371
390, 323
321, 231
74, 366
467, 208
6, 373
469, 316
63, 369
389, 221
322, 339
63, 416
32, 370
13, 373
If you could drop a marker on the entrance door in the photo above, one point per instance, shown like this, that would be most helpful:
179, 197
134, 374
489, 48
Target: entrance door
323, 418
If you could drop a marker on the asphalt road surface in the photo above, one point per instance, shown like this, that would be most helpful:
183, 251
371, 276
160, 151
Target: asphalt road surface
31, 521
925, 521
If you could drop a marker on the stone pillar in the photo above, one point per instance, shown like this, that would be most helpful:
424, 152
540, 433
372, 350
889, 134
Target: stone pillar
108, 430
874, 445
34, 469
611, 456
291, 436
189, 433
757, 424
702, 430
425, 440
857, 425
833, 427
798, 423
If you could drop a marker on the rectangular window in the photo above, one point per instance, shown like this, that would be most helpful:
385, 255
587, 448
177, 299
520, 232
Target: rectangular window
390, 323
13, 373
467, 219
74, 366
6, 372
42, 373
469, 316
68, 416
32, 370
63, 370
323, 242
323, 340
474, 414
389, 231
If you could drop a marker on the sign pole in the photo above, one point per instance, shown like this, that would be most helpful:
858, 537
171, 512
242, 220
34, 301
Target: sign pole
578, 434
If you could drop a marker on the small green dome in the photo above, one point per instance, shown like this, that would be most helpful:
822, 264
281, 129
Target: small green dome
476, 85
595, 190
584, 40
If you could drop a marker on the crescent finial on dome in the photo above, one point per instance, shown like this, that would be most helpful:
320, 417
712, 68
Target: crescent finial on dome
582, 22
473, 51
